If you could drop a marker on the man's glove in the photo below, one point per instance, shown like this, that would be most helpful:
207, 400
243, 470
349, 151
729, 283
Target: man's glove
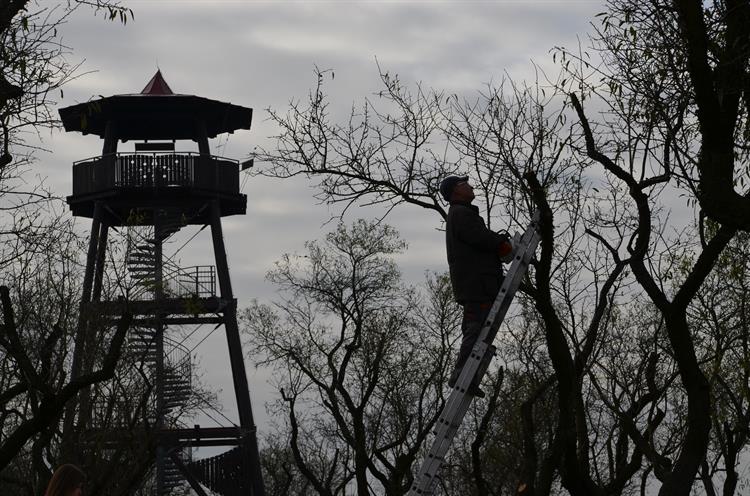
507, 249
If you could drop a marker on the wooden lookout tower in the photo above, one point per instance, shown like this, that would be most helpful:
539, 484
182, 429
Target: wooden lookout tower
155, 191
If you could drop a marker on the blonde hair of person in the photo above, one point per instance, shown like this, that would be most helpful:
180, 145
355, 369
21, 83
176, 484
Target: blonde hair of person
67, 480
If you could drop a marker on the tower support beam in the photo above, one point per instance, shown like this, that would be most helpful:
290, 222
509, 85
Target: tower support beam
90, 331
101, 254
80, 337
236, 359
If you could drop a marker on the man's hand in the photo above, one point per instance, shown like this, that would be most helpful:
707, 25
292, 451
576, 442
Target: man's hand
506, 250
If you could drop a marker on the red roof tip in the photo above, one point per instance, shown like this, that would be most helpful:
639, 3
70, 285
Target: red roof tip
157, 86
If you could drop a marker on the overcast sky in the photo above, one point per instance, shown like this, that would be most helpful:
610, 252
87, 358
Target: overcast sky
261, 54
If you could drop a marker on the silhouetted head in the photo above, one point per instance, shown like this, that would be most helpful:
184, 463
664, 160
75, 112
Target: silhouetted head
456, 188
68, 480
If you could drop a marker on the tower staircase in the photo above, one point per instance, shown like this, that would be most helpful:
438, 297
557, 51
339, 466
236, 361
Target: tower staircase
142, 253
176, 388
174, 361
177, 379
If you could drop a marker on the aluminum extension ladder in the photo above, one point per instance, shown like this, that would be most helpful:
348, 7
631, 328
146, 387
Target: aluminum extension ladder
458, 403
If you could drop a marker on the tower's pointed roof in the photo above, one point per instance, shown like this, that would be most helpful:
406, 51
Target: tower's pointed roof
157, 86
156, 113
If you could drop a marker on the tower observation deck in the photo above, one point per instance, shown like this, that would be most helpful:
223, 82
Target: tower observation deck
151, 193
155, 174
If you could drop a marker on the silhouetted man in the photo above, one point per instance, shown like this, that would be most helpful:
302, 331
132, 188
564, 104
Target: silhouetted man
474, 256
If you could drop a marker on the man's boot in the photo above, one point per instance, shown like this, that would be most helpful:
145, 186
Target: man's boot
473, 390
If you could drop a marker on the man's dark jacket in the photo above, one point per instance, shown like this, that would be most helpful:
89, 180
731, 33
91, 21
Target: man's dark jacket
473, 255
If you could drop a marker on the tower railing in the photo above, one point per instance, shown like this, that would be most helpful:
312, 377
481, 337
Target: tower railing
143, 170
198, 281
155, 170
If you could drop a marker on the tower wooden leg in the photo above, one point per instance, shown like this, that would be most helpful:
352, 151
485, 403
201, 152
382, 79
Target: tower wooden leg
80, 338
236, 358
101, 253
93, 334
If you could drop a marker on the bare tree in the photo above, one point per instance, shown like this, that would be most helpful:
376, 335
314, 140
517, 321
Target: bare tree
351, 356
383, 154
655, 90
30, 380
360, 359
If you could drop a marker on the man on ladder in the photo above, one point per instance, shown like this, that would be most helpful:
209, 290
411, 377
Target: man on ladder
474, 256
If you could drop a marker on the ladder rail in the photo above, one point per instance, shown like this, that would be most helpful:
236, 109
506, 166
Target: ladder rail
458, 403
